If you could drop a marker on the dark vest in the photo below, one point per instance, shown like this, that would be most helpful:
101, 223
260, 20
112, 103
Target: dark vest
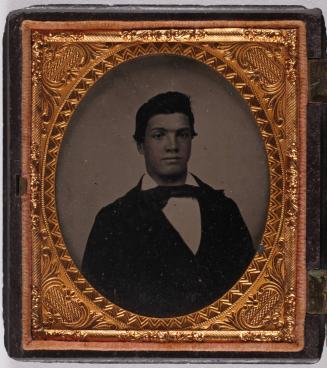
137, 259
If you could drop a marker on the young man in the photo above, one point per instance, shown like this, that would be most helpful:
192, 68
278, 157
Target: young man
172, 245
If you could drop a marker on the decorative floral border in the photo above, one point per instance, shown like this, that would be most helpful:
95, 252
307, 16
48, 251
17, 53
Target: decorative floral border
262, 65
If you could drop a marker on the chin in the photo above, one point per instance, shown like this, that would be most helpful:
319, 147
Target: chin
174, 171
173, 174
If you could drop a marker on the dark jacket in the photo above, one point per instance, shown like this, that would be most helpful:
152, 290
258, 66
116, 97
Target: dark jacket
137, 259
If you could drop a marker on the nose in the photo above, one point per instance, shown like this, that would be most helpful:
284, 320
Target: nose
172, 144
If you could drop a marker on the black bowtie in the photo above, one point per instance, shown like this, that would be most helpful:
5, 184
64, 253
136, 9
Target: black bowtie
161, 194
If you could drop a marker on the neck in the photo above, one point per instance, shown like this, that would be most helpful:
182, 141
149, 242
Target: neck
169, 180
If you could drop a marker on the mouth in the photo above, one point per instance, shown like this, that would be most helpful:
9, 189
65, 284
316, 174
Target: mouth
171, 159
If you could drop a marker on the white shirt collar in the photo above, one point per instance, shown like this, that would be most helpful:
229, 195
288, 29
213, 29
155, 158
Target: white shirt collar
148, 182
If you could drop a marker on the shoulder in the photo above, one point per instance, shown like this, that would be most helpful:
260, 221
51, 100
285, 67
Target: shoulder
120, 207
210, 191
217, 197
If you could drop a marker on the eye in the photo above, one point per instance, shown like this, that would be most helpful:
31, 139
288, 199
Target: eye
157, 135
184, 134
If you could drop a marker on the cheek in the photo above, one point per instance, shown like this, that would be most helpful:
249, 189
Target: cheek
186, 148
154, 152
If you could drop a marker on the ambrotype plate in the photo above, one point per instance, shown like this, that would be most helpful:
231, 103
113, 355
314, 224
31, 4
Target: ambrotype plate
192, 233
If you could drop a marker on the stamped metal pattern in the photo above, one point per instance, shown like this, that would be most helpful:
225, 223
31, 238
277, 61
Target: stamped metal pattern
261, 65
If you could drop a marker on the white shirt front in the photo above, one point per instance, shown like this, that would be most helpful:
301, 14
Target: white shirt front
183, 213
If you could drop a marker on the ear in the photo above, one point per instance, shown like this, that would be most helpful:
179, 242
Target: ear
140, 148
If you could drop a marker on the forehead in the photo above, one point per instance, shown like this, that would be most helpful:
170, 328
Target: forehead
174, 121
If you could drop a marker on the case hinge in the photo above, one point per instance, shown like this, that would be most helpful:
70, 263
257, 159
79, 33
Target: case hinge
317, 292
318, 80
21, 185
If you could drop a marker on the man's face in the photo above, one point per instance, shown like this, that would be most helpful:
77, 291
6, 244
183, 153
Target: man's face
167, 147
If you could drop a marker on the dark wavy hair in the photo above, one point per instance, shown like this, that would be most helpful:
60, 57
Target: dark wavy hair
164, 103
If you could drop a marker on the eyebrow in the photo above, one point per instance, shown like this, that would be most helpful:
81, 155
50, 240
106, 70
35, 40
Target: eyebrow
167, 130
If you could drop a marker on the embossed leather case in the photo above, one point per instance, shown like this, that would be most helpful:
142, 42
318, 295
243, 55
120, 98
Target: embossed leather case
57, 59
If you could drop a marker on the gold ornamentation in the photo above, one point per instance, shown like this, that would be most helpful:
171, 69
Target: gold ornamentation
264, 35
35, 185
61, 65
163, 336
211, 35
37, 48
127, 53
62, 308
261, 65
292, 184
262, 310
288, 330
65, 335
261, 336
164, 35
36, 316
292, 55
67, 36
264, 68
63, 62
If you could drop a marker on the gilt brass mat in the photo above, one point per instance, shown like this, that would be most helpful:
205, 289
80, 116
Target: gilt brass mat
265, 308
